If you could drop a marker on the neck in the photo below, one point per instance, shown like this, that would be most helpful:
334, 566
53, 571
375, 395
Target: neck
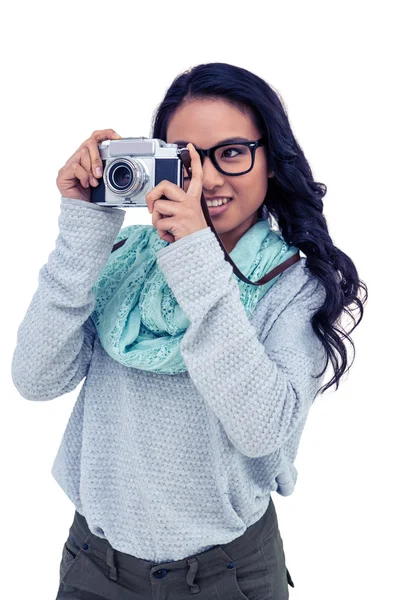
231, 238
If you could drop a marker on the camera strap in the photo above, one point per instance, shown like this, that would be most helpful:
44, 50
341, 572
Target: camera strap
185, 157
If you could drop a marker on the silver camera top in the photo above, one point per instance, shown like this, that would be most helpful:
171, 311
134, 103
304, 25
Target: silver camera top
138, 146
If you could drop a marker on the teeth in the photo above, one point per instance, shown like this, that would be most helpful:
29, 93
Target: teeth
211, 203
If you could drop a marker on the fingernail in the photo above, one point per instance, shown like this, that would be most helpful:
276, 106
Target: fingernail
98, 172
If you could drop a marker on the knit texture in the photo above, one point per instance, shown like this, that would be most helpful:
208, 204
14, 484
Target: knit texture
167, 466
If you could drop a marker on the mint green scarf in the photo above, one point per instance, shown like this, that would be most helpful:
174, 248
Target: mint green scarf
138, 320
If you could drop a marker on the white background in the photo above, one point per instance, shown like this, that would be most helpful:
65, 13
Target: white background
69, 68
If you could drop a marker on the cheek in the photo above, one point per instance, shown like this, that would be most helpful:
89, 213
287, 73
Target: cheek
260, 180
252, 187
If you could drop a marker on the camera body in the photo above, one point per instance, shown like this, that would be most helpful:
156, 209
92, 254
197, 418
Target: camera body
132, 167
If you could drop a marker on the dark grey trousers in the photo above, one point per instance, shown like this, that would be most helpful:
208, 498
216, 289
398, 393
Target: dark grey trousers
251, 567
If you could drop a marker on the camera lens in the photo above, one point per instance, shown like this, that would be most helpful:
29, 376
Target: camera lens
121, 176
126, 177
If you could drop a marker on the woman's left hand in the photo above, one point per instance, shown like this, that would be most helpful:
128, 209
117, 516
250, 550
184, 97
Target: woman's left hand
181, 213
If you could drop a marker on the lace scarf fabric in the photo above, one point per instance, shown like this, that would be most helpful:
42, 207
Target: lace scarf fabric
137, 318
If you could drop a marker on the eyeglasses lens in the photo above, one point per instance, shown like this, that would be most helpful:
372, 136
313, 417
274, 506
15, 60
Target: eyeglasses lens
233, 159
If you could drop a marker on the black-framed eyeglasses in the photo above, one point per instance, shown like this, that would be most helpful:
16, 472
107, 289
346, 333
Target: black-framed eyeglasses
232, 158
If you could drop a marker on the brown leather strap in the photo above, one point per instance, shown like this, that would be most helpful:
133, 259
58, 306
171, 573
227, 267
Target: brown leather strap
185, 156
118, 245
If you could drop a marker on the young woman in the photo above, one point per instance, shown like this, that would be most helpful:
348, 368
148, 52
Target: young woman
197, 384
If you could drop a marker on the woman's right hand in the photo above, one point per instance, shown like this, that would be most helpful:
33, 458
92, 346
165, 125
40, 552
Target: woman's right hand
79, 172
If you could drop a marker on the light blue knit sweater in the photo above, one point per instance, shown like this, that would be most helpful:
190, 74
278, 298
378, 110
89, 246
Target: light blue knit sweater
166, 466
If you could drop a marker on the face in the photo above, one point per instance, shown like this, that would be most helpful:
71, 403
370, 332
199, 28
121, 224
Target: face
206, 123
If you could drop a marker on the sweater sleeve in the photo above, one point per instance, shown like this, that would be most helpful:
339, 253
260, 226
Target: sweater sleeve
55, 338
260, 389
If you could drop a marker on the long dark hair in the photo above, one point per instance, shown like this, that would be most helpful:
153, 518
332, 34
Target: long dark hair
293, 198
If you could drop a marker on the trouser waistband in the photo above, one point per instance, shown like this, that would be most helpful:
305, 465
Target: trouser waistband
81, 535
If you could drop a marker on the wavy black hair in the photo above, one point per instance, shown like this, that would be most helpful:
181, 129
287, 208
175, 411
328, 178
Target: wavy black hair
293, 198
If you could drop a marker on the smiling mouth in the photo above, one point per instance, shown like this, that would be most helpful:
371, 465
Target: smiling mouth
215, 211
219, 202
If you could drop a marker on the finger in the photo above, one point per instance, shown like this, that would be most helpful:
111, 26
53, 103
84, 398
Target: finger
86, 164
165, 188
102, 135
165, 207
80, 173
98, 136
166, 236
163, 226
196, 184
158, 214
105, 134
82, 157
95, 159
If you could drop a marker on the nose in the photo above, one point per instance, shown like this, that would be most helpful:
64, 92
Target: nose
211, 176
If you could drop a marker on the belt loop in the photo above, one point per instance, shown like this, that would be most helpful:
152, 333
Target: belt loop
191, 574
113, 574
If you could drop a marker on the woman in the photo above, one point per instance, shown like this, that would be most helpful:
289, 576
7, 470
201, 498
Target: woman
197, 385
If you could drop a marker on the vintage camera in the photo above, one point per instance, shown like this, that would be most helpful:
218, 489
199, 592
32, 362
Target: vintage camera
132, 167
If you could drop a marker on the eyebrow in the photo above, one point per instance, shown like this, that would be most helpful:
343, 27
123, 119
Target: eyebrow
226, 141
